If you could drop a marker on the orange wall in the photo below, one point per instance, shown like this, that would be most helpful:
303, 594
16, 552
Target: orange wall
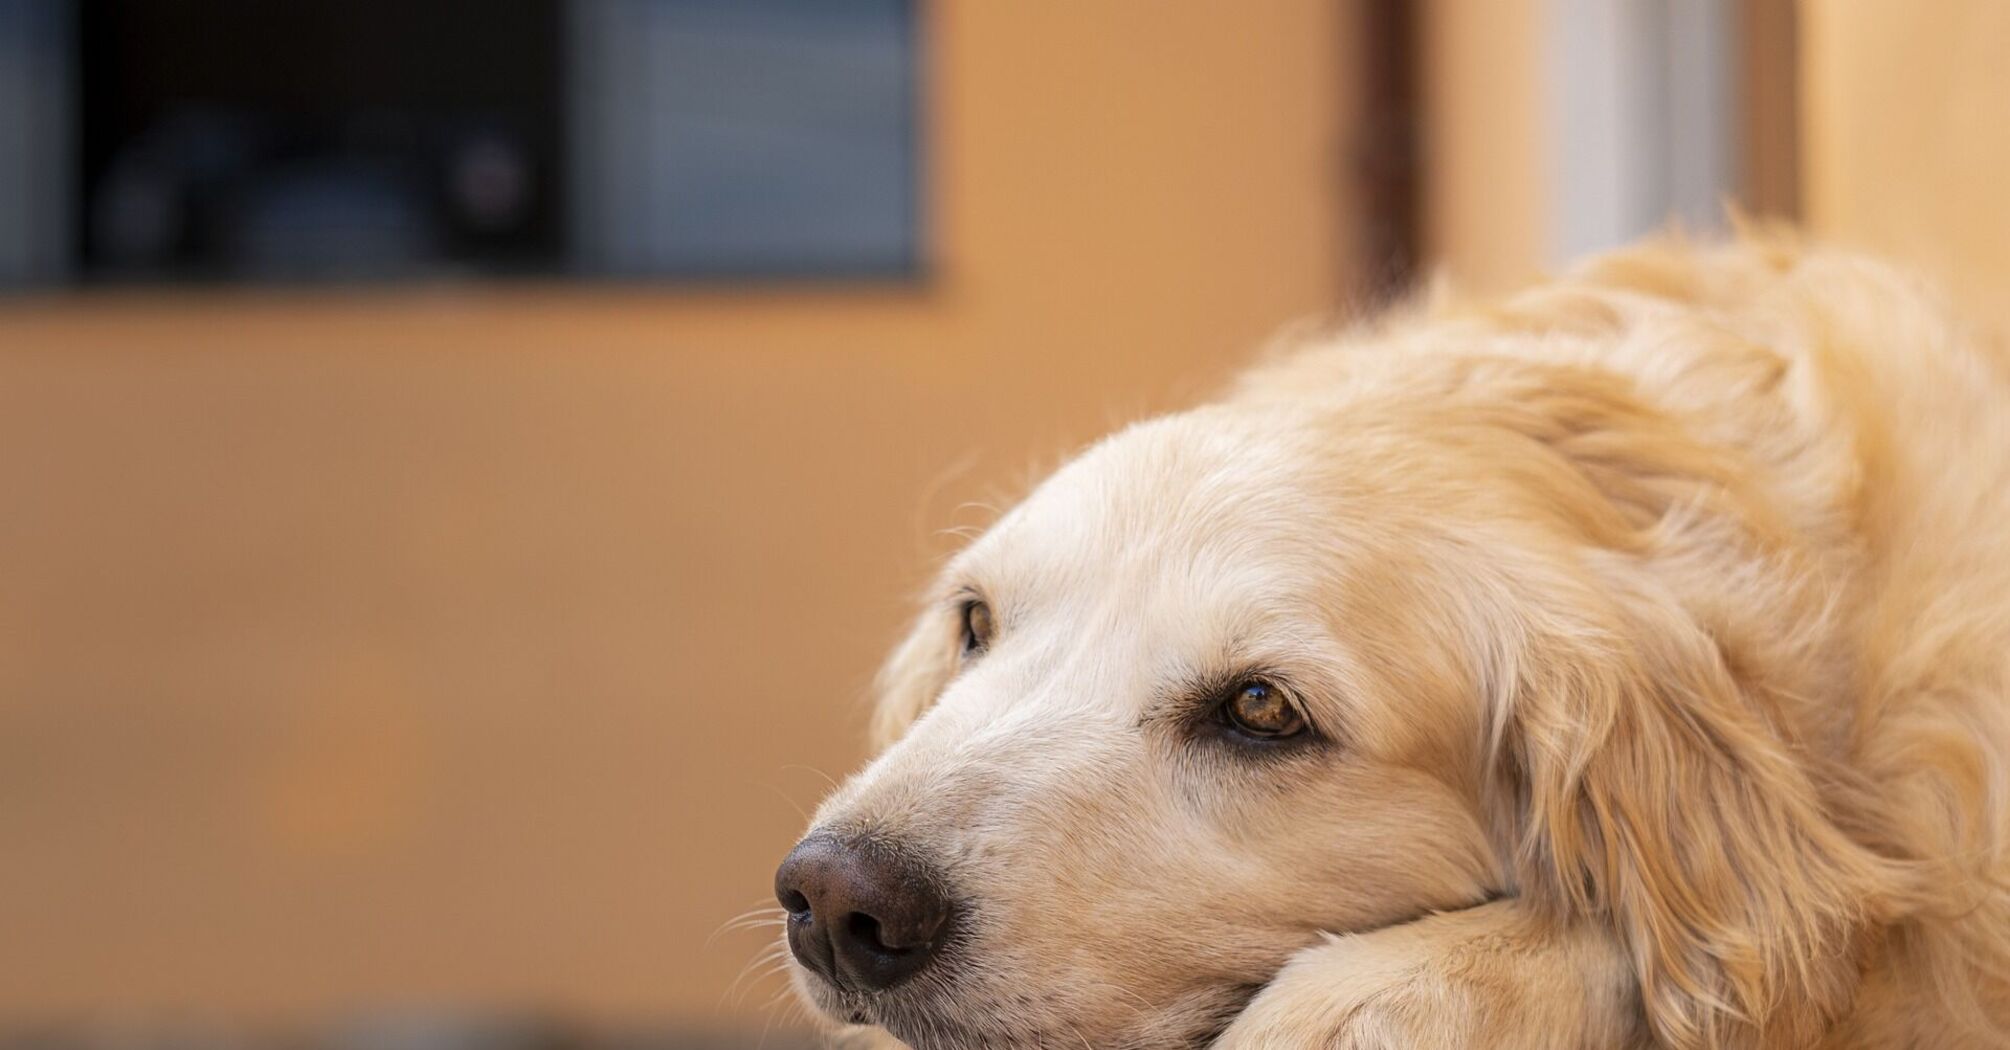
478, 646
1485, 137
1907, 126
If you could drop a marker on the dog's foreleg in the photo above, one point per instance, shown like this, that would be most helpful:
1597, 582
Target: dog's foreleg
1495, 975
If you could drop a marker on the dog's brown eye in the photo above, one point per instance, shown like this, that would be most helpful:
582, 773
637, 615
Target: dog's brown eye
977, 627
1261, 709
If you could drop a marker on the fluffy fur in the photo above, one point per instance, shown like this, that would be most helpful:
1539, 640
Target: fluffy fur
1655, 626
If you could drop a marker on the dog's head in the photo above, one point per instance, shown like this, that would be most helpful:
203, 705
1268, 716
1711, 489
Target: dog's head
1240, 677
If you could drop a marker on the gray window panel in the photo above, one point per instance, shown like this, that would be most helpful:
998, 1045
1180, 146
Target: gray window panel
35, 162
745, 137
1642, 120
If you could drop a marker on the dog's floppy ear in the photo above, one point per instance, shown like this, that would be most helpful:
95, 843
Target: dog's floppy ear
920, 667
1654, 783
1655, 796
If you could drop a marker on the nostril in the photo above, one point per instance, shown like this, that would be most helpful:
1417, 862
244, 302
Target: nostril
865, 930
795, 903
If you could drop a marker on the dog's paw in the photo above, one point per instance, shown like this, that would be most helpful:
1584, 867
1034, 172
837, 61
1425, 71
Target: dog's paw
1489, 976
1348, 995
861, 1037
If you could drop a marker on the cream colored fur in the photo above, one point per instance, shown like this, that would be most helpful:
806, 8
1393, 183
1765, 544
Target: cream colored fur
1657, 627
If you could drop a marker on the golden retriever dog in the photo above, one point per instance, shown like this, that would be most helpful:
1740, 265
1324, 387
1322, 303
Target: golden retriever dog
1627, 664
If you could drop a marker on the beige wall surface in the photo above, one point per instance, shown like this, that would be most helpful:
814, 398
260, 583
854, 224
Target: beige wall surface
1486, 135
477, 647
1907, 130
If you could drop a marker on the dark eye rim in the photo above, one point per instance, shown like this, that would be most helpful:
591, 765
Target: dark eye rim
1223, 722
967, 610
1226, 709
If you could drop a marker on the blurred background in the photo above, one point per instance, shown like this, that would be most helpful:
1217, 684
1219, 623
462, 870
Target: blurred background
461, 462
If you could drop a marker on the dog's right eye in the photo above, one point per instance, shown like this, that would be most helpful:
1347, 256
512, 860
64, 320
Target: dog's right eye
977, 627
1261, 710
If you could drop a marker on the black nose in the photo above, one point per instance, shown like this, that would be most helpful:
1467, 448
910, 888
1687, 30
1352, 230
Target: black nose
860, 915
